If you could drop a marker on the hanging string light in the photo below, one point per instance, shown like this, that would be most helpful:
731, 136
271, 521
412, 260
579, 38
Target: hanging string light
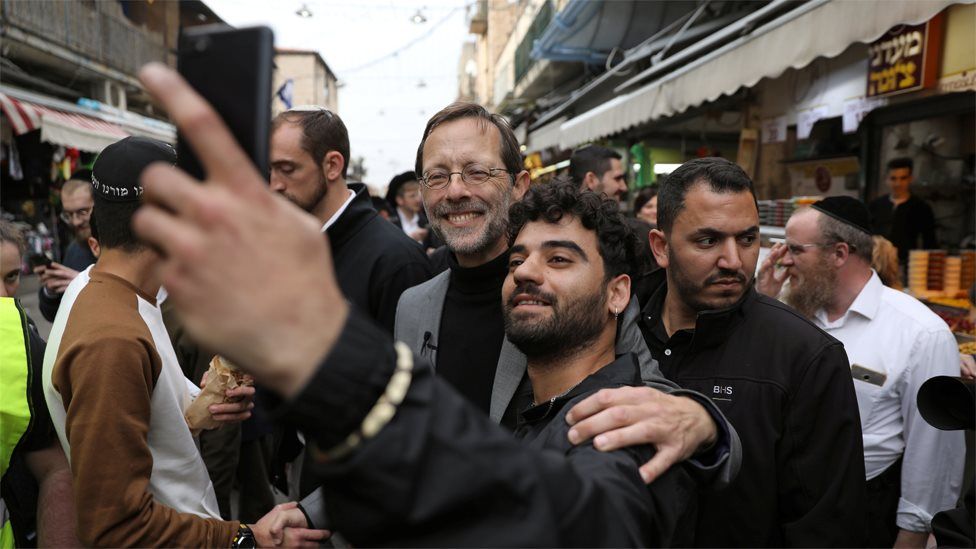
418, 18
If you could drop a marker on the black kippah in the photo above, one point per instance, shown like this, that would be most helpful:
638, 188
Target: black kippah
846, 209
115, 176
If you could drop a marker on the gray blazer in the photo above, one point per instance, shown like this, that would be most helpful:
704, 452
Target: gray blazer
418, 321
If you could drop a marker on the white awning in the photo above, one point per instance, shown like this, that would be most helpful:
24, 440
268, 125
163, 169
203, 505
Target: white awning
59, 127
820, 28
546, 136
63, 123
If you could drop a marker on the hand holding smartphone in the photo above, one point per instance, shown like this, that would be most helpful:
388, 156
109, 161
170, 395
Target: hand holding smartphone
232, 69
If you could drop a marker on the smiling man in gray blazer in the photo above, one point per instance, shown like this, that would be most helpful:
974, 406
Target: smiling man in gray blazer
471, 172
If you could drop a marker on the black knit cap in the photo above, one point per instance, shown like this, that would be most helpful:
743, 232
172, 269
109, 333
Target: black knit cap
846, 209
115, 176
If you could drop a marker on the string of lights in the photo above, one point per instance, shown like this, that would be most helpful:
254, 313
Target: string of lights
403, 48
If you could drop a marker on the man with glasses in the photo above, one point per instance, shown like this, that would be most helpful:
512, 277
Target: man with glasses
893, 343
77, 201
471, 172
374, 261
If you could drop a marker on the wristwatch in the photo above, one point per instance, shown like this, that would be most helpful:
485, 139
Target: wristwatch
244, 538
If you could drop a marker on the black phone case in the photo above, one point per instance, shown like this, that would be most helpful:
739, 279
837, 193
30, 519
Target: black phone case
232, 70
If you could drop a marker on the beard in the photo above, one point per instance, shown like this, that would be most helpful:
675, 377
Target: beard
691, 291
471, 240
814, 291
313, 201
82, 234
572, 326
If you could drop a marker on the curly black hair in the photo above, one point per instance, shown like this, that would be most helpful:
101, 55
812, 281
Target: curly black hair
551, 201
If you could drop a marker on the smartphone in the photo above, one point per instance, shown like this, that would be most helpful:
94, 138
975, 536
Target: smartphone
868, 375
232, 69
38, 260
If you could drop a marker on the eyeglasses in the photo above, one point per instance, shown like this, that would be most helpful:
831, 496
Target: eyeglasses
797, 249
83, 213
470, 175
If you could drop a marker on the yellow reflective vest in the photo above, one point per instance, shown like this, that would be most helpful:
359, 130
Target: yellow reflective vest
15, 399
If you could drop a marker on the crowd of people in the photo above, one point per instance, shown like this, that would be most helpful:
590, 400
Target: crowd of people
474, 360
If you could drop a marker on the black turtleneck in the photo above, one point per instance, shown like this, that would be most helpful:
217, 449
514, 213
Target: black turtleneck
472, 329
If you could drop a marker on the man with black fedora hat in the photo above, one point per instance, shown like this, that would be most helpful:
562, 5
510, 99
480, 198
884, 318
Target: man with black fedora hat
403, 195
894, 343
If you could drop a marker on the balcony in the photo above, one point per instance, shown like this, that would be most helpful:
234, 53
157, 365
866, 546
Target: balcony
479, 19
523, 54
88, 29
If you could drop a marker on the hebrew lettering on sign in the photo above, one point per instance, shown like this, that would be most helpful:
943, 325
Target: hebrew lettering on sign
887, 80
904, 59
892, 51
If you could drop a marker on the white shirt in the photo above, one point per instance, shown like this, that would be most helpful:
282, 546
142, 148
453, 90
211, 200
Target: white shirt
179, 477
903, 344
408, 224
335, 216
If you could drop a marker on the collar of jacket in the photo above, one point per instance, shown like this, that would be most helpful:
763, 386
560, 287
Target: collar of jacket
712, 328
359, 212
622, 371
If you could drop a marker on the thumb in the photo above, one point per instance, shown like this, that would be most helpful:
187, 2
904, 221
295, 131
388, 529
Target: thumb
662, 461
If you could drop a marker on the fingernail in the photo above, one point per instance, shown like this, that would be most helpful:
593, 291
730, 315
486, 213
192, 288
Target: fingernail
574, 436
570, 420
645, 477
600, 441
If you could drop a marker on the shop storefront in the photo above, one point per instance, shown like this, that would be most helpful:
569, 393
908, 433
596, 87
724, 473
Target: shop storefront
43, 140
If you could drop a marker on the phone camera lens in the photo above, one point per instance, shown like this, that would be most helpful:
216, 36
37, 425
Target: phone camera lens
202, 44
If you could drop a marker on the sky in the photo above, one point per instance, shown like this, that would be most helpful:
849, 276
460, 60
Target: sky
395, 74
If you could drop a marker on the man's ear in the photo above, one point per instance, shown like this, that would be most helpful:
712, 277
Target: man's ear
841, 254
618, 294
522, 182
332, 165
659, 247
96, 250
591, 181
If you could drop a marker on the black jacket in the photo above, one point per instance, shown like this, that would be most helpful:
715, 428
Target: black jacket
441, 474
78, 257
374, 261
905, 224
786, 387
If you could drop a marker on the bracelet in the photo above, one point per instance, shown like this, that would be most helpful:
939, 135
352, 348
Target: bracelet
381, 413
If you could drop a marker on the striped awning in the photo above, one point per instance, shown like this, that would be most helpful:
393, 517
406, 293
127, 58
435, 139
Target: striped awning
59, 127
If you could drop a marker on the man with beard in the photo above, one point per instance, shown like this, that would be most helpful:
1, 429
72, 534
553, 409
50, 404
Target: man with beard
783, 383
375, 262
894, 343
77, 202
405, 459
471, 173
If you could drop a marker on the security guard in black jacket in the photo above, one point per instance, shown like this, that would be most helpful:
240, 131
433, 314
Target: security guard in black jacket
784, 384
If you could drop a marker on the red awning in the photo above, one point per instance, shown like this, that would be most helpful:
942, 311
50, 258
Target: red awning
61, 128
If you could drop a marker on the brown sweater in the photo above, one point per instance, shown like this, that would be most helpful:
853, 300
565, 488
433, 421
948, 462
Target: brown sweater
121, 405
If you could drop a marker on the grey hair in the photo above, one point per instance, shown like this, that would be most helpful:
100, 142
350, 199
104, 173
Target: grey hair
834, 231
